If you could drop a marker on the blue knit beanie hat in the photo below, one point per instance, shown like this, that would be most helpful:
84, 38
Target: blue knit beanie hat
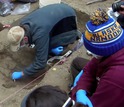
104, 36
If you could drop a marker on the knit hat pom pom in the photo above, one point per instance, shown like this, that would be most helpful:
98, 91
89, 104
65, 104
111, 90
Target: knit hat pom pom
99, 16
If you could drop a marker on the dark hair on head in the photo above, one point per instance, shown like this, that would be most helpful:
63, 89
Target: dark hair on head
46, 96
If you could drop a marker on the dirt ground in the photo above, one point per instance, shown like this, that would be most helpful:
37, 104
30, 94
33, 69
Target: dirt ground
12, 93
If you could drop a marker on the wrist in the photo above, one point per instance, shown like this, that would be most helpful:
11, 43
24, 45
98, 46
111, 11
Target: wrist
81, 92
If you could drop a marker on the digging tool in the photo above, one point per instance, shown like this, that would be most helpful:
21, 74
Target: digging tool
94, 1
62, 58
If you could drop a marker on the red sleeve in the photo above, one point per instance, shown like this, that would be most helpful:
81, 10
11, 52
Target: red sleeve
88, 80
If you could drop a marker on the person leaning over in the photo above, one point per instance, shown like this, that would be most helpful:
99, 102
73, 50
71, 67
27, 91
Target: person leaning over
50, 29
100, 83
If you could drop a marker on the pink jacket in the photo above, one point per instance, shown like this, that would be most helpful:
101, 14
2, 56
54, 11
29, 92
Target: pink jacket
104, 81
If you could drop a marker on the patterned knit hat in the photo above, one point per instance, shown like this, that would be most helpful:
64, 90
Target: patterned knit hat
104, 36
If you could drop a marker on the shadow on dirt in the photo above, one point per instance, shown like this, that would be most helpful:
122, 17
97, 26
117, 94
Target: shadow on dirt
10, 62
82, 18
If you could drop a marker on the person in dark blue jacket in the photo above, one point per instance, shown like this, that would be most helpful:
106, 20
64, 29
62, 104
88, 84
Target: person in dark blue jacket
49, 28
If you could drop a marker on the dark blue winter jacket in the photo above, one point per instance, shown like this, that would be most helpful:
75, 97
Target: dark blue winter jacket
48, 27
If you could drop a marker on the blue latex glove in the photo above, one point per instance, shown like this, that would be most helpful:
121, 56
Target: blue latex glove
17, 75
77, 78
82, 98
57, 50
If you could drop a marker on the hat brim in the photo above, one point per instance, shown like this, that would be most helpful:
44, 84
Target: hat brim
14, 48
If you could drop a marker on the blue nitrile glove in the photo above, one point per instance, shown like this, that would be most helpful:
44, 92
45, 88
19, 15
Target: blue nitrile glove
17, 75
77, 78
58, 50
82, 98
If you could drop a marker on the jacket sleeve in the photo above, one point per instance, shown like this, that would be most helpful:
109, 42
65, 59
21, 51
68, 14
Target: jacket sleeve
42, 46
88, 80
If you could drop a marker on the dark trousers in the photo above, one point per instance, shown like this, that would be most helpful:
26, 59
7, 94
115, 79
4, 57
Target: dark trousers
76, 66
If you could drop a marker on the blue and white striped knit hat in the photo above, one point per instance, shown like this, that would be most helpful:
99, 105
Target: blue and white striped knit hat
104, 36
